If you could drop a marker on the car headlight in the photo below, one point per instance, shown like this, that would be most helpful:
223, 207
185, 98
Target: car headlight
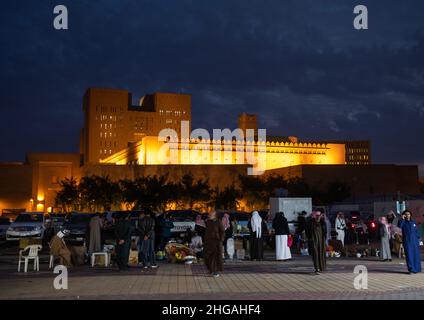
9, 229
37, 228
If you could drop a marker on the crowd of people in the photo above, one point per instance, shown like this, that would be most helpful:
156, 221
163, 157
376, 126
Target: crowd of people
211, 240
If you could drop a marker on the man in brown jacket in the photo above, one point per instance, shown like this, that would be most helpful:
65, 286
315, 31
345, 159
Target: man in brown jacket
214, 238
59, 249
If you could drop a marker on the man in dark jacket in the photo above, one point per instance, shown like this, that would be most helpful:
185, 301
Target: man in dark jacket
165, 226
123, 242
316, 231
146, 242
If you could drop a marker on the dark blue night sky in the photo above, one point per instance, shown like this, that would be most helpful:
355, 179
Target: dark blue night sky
300, 64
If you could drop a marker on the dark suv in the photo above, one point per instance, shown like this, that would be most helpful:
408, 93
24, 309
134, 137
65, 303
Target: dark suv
108, 231
77, 224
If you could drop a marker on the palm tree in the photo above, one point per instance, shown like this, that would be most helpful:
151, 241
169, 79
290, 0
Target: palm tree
194, 192
129, 193
99, 193
254, 191
153, 194
68, 197
227, 199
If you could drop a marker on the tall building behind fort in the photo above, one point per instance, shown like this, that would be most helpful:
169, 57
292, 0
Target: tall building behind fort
112, 123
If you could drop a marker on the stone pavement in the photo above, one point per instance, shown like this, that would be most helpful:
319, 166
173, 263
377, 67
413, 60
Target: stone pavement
247, 280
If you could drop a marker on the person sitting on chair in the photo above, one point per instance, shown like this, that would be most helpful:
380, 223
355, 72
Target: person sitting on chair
197, 245
59, 249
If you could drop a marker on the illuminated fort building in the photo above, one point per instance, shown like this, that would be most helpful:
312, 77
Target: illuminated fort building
118, 133
121, 140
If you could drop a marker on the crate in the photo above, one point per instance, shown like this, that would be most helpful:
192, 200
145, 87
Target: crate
240, 253
99, 261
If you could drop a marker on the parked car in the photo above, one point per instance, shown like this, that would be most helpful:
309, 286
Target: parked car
4, 225
362, 235
77, 226
53, 223
242, 219
182, 220
57, 221
27, 225
112, 216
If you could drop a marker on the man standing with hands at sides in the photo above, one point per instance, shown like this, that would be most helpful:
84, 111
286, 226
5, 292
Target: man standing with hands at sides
316, 233
214, 238
123, 242
340, 227
411, 242
146, 231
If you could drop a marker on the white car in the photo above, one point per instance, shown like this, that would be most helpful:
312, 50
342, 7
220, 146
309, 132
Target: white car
27, 225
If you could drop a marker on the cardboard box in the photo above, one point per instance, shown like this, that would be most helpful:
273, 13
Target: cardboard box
238, 244
78, 254
133, 257
240, 253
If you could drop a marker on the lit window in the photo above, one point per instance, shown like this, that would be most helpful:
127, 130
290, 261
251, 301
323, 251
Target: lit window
101, 134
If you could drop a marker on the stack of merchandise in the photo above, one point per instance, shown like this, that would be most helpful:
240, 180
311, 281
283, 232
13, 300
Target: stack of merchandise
176, 252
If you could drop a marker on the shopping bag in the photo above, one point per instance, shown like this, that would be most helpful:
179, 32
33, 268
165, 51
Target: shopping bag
290, 240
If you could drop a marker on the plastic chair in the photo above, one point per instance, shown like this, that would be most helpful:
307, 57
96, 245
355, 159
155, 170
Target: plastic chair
51, 262
32, 255
104, 254
401, 251
52, 257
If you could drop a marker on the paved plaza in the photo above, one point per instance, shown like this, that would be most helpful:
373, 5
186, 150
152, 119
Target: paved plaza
247, 280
